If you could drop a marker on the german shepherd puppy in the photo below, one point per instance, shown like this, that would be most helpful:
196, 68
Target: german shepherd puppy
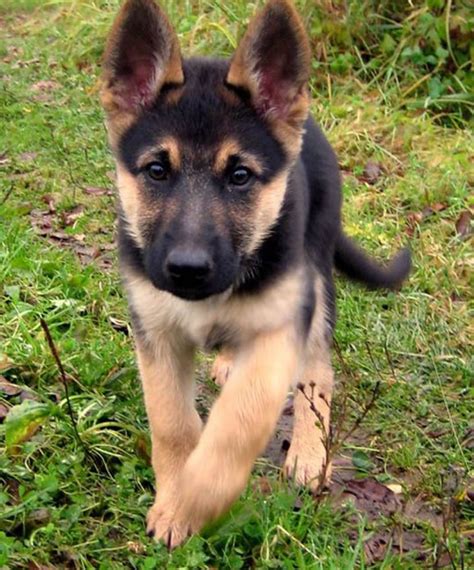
229, 229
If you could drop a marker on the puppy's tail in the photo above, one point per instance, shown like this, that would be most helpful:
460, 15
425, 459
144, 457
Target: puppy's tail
357, 265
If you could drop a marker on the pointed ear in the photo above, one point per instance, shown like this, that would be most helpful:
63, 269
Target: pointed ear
142, 54
273, 62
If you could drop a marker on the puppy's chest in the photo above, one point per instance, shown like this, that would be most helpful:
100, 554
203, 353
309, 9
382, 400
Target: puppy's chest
220, 320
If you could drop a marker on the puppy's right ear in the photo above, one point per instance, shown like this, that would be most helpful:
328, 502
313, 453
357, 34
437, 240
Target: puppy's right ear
142, 55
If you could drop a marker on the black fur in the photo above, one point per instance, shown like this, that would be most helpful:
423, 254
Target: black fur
309, 225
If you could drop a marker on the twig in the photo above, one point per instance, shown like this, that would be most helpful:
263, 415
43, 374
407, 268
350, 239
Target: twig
448, 32
7, 195
362, 416
326, 439
300, 544
64, 381
389, 359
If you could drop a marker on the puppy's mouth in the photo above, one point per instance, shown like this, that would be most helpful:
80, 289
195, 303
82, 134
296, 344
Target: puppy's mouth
194, 293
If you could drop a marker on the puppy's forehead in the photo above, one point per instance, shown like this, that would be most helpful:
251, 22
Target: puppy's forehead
205, 120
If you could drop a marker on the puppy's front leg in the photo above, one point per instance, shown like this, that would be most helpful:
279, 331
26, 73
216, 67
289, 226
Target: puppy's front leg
167, 377
239, 426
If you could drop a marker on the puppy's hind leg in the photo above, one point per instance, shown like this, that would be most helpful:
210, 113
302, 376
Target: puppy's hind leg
307, 462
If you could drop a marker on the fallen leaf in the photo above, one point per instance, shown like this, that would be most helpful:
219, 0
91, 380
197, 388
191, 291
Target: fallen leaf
46, 85
418, 510
27, 395
12, 486
49, 201
4, 160
415, 218
27, 156
8, 388
372, 172
72, 215
370, 497
43, 223
444, 560
395, 488
38, 518
376, 547
96, 191
263, 485
3, 412
23, 421
468, 439
463, 224
432, 209
120, 326
59, 235
5, 363
136, 547
362, 461
37, 566
142, 448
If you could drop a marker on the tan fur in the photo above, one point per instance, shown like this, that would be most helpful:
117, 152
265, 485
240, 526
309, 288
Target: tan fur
231, 147
115, 123
199, 472
170, 145
222, 366
167, 379
129, 194
290, 132
307, 454
287, 130
237, 430
245, 317
267, 209
168, 70
139, 208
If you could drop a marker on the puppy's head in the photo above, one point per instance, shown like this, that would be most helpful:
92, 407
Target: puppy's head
203, 147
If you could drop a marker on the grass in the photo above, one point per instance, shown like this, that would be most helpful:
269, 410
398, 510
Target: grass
64, 507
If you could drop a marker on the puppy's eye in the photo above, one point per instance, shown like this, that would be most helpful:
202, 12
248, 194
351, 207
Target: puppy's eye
240, 176
157, 171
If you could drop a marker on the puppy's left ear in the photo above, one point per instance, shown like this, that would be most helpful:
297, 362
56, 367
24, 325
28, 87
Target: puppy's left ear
272, 63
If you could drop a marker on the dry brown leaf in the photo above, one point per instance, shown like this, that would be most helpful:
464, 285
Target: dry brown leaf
136, 547
432, 209
263, 485
97, 191
3, 412
463, 224
28, 156
376, 547
46, 85
8, 388
370, 497
4, 160
372, 172
72, 215
50, 202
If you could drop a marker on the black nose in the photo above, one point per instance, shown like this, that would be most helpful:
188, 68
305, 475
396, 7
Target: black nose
188, 266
